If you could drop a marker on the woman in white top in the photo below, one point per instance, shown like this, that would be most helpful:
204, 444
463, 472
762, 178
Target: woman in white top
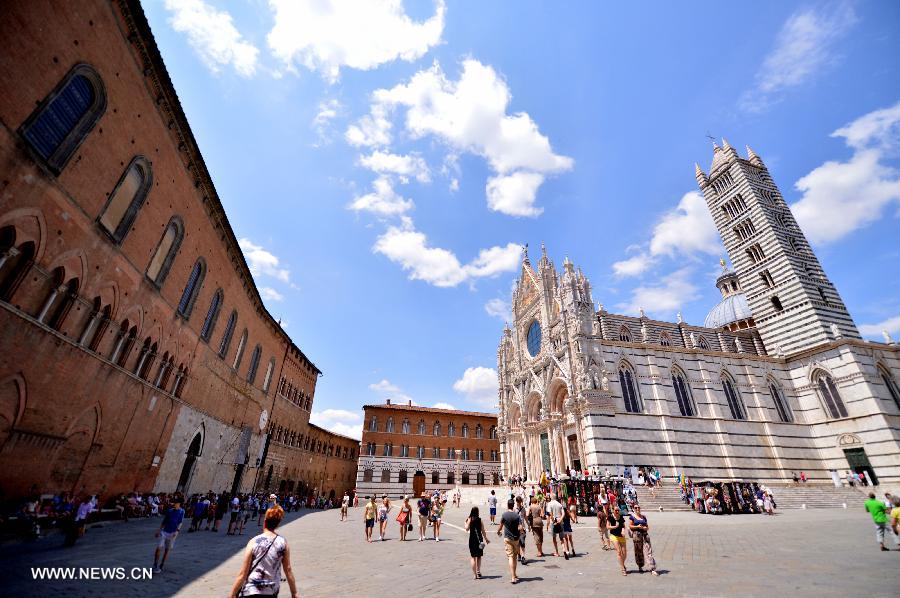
266, 555
383, 509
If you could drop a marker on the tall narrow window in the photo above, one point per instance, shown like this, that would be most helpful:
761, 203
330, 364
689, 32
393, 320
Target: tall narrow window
683, 394
776, 303
65, 117
629, 390
126, 199
451, 429
239, 354
254, 364
14, 262
465, 430
436, 429
226, 336
781, 405
422, 427
165, 252
123, 347
192, 288
834, 405
59, 301
389, 426
625, 334
405, 426
373, 424
890, 384
269, 371
212, 314
735, 404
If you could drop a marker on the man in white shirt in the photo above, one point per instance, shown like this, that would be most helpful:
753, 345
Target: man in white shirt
345, 503
492, 507
555, 508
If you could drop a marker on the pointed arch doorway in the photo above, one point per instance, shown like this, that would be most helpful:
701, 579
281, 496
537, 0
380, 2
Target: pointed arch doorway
190, 461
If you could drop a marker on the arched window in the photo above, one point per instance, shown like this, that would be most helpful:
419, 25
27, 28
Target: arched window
436, 429
254, 364
192, 289
65, 117
165, 252
59, 301
126, 199
664, 340
405, 426
95, 326
124, 344
422, 427
145, 359
493, 432
226, 336
465, 479
389, 426
373, 424
479, 431
212, 314
465, 430
624, 334
239, 354
435, 477
630, 391
890, 384
14, 262
269, 371
781, 405
683, 394
451, 479
451, 429
701, 342
735, 404
834, 405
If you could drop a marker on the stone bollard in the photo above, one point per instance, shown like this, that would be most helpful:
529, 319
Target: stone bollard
845, 505
804, 506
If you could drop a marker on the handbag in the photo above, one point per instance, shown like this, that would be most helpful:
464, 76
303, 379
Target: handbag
254, 565
481, 544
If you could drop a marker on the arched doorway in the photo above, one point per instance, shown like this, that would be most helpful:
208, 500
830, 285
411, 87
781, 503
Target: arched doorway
418, 483
187, 471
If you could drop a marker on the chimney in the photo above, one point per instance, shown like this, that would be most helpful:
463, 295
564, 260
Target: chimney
387, 401
409, 402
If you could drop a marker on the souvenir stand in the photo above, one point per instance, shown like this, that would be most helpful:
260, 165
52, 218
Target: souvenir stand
722, 498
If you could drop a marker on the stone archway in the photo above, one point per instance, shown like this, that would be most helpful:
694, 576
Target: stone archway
190, 462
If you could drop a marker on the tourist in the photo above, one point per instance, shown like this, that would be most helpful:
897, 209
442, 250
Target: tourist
616, 525
573, 509
234, 512
265, 557
244, 514
888, 503
640, 533
167, 532
509, 527
424, 506
768, 503
404, 517
383, 509
492, 507
796, 479
555, 511
477, 540
851, 479
876, 508
523, 515
221, 507
79, 519
536, 522
199, 514
803, 477
895, 519
602, 526
566, 535
345, 504
370, 511
437, 511
210, 513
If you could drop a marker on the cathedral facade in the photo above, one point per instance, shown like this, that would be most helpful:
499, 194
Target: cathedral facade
777, 380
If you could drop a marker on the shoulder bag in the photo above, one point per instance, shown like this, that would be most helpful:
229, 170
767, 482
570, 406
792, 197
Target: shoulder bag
255, 564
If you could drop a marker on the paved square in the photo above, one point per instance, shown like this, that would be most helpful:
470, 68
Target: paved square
796, 553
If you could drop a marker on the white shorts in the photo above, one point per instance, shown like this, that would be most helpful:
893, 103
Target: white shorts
167, 540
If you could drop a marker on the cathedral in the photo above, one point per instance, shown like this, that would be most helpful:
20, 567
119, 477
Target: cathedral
777, 380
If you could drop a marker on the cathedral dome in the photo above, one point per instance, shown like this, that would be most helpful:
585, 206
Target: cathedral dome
729, 310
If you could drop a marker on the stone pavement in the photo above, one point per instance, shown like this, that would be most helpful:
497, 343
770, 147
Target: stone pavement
796, 553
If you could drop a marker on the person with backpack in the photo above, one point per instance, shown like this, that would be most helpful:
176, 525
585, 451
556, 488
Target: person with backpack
265, 557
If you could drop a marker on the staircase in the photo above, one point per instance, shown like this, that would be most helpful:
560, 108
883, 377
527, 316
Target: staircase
786, 497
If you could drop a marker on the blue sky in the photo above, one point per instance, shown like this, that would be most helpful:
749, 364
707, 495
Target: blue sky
383, 164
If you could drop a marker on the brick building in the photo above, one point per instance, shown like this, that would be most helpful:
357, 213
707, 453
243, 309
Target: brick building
135, 351
406, 449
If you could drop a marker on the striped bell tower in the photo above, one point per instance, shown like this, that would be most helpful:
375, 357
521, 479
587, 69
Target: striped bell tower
795, 306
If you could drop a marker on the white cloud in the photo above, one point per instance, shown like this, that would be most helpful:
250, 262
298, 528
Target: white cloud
841, 197
270, 294
411, 165
663, 299
408, 247
514, 194
262, 262
321, 124
804, 47
454, 185
686, 231
213, 36
390, 391
326, 35
499, 308
470, 115
479, 385
383, 200
891, 325
444, 406
372, 130
341, 421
